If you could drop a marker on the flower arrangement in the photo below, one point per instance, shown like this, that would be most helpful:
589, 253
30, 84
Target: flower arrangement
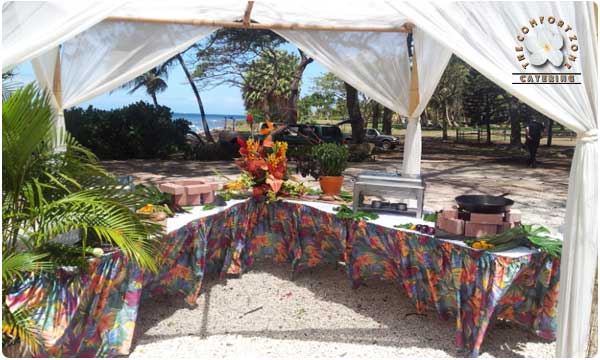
264, 168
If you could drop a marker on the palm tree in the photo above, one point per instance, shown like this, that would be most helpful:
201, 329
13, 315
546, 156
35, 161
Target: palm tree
197, 94
154, 81
46, 193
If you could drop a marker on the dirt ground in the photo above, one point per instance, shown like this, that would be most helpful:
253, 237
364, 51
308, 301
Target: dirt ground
266, 314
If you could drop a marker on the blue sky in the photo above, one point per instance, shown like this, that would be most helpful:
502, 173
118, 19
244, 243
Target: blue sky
179, 97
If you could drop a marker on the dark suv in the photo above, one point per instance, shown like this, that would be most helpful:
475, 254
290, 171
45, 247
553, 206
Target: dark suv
309, 134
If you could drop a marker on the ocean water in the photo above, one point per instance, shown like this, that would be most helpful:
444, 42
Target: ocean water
214, 120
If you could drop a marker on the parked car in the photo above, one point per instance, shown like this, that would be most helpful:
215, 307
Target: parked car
373, 136
304, 134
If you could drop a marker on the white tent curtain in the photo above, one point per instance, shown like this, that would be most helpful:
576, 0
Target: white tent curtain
113, 53
432, 59
484, 35
107, 56
375, 63
31, 28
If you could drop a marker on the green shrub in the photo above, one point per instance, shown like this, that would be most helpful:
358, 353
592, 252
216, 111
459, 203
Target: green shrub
136, 131
222, 150
360, 152
331, 158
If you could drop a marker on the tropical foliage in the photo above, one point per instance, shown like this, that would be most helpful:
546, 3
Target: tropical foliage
234, 57
51, 186
153, 81
267, 83
331, 158
139, 131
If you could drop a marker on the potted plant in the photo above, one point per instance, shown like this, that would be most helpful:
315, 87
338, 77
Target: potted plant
331, 159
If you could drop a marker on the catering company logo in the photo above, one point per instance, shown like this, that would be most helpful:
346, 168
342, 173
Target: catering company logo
550, 45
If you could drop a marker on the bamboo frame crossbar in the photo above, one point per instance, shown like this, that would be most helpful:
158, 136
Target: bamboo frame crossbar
407, 27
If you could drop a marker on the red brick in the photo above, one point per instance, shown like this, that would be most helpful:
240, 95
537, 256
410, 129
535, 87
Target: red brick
438, 222
450, 213
473, 229
513, 216
453, 226
495, 219
505, 226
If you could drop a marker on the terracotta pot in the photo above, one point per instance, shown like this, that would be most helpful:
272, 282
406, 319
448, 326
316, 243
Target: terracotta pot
331, 185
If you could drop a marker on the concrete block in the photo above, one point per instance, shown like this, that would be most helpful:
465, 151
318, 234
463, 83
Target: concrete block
197, 189
172, 188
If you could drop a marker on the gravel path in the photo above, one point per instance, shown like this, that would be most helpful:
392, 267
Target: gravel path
317, 314
264, 314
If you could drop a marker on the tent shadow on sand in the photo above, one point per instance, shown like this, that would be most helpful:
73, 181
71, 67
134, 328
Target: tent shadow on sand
382, 302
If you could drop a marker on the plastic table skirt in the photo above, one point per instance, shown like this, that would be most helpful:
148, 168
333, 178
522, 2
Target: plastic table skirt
94, 314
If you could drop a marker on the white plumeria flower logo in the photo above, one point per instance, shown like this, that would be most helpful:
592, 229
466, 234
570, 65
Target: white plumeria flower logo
545, 44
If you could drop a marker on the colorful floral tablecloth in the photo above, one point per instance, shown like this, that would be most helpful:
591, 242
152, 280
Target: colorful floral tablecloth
87, 316
84, 315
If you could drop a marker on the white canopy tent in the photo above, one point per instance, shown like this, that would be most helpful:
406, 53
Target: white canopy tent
104, 45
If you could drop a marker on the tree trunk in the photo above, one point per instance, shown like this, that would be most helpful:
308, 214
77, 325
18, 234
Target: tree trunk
198, 99
376, 114
153, 95
550, 124
357, 123
488, 130
446, 121
515, 123
292, 111
387, 121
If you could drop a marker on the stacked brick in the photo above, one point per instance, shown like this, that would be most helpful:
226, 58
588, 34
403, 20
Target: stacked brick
476, 224
190, 192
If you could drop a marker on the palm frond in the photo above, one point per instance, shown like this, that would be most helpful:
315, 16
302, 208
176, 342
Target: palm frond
111, 221
16, 265
19, 326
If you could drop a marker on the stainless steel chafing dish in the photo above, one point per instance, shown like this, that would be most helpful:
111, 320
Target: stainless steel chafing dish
389, 192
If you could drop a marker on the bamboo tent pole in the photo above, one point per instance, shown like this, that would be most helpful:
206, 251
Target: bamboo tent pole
246, 20
57, 81
407, 27
592, 348
414, 84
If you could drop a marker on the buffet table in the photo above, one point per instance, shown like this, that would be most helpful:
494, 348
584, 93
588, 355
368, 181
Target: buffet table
97, 311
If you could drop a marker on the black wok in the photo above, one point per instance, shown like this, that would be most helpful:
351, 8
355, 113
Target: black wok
486, 204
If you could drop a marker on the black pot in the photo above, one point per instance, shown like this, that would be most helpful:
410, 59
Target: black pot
486, 204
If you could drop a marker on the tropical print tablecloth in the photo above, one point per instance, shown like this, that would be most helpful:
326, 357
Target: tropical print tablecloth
86, 316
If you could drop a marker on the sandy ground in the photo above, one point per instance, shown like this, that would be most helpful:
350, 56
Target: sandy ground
264, 314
